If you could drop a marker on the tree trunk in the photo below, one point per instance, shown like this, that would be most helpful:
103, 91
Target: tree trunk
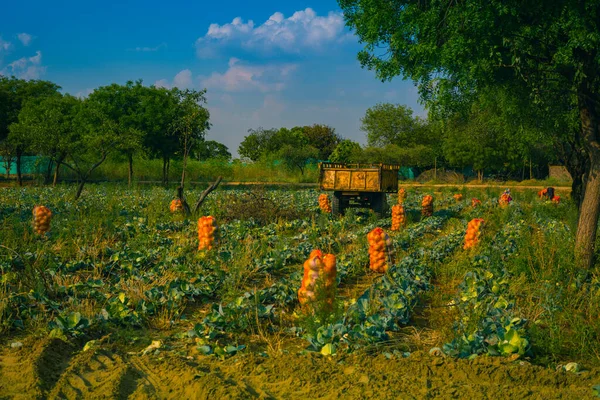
168, 165
49, 172
56, 171
590, 206
80, 188
18, 163
530, 174
130, 175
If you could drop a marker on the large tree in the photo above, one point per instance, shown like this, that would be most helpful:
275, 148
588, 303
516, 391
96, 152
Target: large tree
14, 93
211, 149
454, 49
48, 124
322, 137
123, 105
387, 123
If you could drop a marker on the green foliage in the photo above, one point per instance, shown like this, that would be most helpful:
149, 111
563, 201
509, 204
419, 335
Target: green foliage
211, 149
346, 151
323, 138
387, 124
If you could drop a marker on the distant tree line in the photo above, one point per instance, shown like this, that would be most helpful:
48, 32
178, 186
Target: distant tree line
487, 139
120, 121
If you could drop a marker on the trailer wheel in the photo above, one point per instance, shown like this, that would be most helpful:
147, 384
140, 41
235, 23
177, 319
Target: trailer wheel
379, 204
337, 204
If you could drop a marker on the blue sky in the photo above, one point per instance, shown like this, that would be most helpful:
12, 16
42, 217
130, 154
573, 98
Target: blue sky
264, 63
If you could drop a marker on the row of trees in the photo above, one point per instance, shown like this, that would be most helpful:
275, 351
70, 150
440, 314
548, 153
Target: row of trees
486, 139
120, 121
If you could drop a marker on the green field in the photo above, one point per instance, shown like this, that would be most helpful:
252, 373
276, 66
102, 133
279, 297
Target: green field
116, 300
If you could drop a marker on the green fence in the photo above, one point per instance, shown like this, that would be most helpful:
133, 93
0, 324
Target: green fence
29, 165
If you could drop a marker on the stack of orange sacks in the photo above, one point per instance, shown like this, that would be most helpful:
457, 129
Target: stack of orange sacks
401, 195
398, 217
207, 229
427, 206
176, 206
319, 274
475, 202
458, 196
380, 250
472, 236
41, 219
324, 203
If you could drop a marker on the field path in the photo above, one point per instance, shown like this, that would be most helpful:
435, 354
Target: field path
51, 369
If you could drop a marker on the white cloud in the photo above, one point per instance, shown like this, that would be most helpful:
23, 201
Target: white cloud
84, 93
149, 49
25, 38
26, 67
239, 77
183, 80
303, 30
4, 48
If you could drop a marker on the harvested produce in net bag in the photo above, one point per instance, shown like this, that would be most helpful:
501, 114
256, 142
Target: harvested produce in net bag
324, 203
329, 272
41, 219
458, 196
472, 236
505, 198
475, 202
427, 206
398, 217
381, 250
319, 278
176, 206
207, 229
401, 195
556, 199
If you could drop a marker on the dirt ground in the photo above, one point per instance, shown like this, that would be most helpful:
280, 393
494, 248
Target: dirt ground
53, 369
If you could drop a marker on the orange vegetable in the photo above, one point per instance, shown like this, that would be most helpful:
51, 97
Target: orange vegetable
380, 250
475, 202
41, 219
473, 233
207, 229
505, 198
319, 275
458, 196
427, 206
401, 195
176, 206
324, 203
398, 217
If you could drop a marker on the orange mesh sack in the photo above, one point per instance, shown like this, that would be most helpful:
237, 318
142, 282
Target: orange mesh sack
329, 277
473, 233
207, 230
458, 196
41, 219
324, 203
427, 206
176, 206
475, 202
380, 250
398, 217
401, 195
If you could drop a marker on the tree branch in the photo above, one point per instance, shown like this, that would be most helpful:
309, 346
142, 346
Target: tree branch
206, 193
